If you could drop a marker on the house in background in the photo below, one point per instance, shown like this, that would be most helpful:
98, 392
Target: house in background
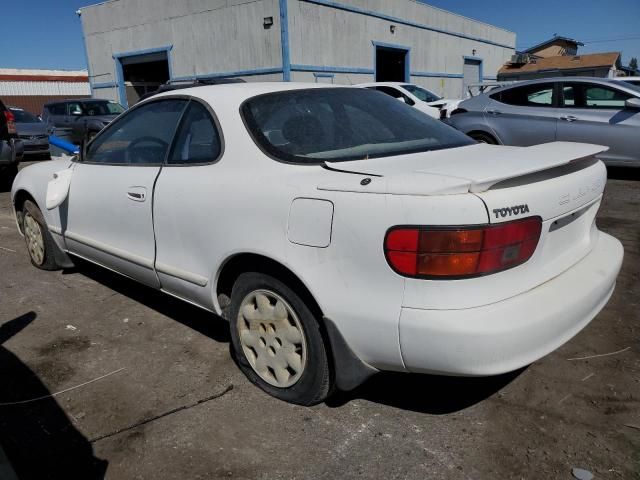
554, 47
558, 57
31, 89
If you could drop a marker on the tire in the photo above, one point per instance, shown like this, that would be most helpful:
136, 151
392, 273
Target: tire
277, 341
483, 138
40, 244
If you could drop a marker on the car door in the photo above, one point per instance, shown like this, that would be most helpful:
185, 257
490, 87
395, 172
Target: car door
595, 113
524, 115
190, 193
109, 209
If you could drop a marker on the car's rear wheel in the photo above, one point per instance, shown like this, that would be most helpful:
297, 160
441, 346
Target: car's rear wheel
40, 244
277, 340
483, 138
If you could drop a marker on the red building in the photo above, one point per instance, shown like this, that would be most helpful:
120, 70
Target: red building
31, 89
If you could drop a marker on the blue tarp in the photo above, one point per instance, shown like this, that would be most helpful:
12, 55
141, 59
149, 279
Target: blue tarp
64, 145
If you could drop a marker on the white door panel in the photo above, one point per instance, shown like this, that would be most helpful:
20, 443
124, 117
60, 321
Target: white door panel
109, 218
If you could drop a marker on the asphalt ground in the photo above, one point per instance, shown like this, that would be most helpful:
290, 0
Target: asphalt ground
166, 401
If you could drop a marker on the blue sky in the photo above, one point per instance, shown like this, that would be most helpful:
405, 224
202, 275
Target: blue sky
47, 33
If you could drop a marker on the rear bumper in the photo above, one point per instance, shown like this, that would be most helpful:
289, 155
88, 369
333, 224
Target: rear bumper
510, 334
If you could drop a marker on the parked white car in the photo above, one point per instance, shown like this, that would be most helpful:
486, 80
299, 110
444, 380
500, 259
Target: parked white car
413, 95
339, 231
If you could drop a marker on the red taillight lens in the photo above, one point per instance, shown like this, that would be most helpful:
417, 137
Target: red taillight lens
436, 252
11, 122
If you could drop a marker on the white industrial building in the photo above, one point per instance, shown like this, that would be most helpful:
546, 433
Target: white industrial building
134, 45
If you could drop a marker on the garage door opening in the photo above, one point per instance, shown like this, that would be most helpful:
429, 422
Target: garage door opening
471, 73
392, 64
143, 73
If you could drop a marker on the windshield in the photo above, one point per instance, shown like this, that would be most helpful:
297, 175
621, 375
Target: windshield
421, 93
102, 108
22, 116
340, 124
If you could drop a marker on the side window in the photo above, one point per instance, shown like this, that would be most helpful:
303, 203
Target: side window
58, 109
596, 96
140, 137
395, 93
537, 95
198, 139
74, 108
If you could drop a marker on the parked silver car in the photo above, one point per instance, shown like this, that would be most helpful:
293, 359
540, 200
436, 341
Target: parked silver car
574, 109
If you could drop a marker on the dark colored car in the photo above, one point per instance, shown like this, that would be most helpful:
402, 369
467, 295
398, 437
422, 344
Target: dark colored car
33, 132
81, 120
181, 84
11, 149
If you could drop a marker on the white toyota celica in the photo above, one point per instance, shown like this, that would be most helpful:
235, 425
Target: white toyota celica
340, 232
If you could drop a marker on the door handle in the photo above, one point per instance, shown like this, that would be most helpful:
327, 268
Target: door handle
137, 194
568, 118
494, 112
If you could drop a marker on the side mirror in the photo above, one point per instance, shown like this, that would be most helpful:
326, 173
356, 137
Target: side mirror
401, 99
632, 103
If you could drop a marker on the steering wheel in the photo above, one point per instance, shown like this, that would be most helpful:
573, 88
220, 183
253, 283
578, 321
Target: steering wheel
146, 138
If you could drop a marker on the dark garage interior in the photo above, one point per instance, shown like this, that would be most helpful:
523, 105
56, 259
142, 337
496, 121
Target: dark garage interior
143, 74
391, 64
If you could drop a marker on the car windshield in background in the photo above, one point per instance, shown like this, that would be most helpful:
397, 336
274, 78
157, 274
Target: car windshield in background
421, 93
340, 124
102, 108
22, 116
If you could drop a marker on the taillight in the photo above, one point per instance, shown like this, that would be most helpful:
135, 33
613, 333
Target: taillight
11, 122
461, 252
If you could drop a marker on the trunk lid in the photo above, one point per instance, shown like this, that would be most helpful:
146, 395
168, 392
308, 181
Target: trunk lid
473, 169
560, 182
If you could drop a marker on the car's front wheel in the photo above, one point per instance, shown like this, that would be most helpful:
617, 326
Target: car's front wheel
40, 244
277, 340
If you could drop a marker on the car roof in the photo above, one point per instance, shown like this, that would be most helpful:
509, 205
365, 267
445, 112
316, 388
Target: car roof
382, 84
239, 92
521, 83
83, 100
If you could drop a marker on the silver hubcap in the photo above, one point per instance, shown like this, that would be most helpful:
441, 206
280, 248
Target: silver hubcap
272, 338
35, 241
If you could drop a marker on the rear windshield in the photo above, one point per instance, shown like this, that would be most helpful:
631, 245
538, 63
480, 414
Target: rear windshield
339, 124
102, 108
22, 116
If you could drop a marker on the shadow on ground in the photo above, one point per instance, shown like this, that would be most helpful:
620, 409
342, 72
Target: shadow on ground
422, 393
202, 321
432, 394
38, 438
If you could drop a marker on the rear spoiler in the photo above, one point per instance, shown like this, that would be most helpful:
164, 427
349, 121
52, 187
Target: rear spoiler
537, 158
